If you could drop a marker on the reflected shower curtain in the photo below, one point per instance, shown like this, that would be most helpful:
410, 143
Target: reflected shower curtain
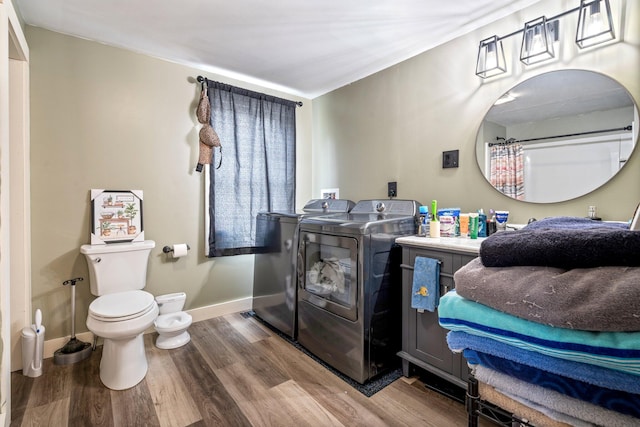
507, 169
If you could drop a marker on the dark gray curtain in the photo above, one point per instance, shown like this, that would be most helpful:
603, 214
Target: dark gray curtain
257, 173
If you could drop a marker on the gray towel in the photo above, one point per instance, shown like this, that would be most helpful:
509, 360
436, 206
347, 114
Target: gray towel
592, 299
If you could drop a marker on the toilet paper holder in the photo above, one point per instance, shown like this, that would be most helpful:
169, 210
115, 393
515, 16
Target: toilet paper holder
168, 249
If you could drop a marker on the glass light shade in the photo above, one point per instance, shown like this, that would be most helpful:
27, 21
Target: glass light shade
537, 42
491, 60
595, 24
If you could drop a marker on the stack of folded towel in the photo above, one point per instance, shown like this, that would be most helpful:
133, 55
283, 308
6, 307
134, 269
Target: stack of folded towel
559, 333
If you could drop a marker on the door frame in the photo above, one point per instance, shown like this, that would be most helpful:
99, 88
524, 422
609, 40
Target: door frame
15, 234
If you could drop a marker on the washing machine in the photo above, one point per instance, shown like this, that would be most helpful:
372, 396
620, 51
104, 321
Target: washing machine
274, 279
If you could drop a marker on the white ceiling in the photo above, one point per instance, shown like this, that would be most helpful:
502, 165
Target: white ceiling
302, 47
558, 94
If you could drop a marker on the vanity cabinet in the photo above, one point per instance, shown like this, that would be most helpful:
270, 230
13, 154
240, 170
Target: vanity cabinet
423, 340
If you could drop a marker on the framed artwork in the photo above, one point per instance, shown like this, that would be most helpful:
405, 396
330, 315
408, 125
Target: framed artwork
330, 193
116, 216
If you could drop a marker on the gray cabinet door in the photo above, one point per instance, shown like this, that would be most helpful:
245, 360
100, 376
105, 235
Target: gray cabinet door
424, 340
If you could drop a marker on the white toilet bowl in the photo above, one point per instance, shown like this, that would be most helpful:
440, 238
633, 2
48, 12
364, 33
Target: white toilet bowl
121, 318
172, 323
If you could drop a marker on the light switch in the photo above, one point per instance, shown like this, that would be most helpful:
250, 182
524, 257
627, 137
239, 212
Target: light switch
450, 159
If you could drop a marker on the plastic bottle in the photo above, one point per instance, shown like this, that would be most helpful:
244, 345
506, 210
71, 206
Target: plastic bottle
482, 223
464, 225
423, 227
473, 225
501, 220
491, 224
434, 224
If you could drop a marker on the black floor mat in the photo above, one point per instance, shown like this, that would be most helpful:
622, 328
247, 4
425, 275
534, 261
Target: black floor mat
369, 388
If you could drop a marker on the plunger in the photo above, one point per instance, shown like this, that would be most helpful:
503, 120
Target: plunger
74, 350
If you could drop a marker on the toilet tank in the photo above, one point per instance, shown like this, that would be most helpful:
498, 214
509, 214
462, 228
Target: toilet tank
117, 267
171, 303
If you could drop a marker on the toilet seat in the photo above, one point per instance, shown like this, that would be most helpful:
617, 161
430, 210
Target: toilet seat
172, 322
120, 306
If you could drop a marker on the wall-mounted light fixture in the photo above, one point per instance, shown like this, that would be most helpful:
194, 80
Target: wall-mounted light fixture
595, 26
537, 40
491, 60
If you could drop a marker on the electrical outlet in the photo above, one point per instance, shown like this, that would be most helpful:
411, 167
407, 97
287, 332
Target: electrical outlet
392, 189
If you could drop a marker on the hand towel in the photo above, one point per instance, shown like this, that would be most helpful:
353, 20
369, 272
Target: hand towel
425, 292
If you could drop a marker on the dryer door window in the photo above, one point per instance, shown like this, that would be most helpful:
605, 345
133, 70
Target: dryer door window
329, 274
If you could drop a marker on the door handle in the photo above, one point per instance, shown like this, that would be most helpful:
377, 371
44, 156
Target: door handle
300, 269
317, 301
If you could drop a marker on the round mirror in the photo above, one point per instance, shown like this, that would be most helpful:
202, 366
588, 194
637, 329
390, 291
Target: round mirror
557, 136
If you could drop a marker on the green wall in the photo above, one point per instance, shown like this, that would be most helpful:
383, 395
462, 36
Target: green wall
107, 118
394, 125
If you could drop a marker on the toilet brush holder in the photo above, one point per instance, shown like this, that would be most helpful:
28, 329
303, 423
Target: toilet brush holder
32, 347
74, 350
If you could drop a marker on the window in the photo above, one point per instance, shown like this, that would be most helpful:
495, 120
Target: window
257, 171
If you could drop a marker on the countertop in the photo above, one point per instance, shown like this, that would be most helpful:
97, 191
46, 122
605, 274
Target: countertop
461, 244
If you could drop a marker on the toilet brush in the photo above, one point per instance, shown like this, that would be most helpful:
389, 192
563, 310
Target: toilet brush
74, 350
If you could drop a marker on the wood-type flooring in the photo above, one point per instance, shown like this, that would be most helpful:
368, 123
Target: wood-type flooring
234, 372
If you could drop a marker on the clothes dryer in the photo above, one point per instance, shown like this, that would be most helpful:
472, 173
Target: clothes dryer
349, 278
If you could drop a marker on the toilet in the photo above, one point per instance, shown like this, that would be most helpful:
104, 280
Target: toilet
123, 311
172, 323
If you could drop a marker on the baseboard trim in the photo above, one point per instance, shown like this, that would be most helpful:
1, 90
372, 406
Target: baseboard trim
198, 314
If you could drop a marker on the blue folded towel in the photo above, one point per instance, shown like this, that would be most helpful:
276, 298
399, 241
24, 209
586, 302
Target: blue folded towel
621, 401
425, 292
593, 374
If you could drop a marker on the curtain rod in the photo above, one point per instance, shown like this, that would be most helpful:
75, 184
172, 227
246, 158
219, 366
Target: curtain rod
201, 79
591, 132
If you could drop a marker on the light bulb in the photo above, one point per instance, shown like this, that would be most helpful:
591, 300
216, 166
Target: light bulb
492, 56
538, 44
595, 24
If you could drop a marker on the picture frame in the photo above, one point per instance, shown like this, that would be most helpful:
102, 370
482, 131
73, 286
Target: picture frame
330, 193
116, 216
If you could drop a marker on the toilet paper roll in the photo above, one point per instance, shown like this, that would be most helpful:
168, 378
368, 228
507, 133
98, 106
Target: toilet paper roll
180, 250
